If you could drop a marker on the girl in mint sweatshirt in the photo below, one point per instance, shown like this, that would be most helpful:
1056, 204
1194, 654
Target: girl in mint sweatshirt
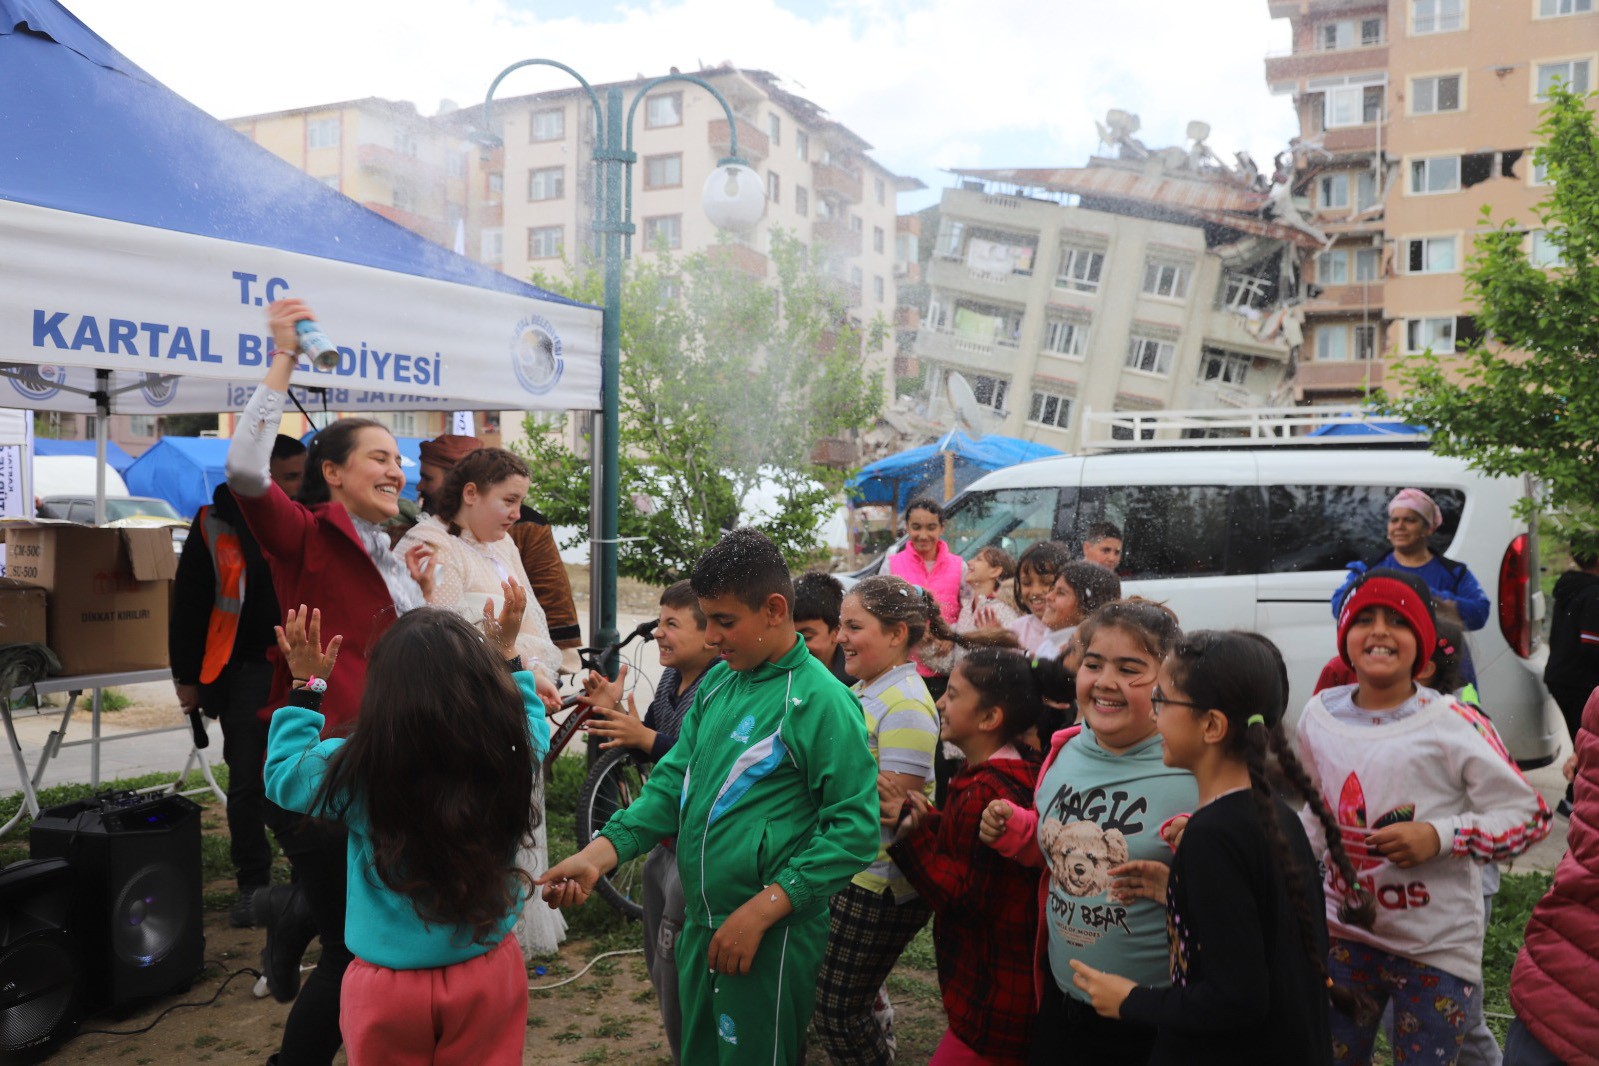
435, 787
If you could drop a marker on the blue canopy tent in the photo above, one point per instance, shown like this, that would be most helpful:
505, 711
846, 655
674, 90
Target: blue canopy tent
897, 479
1369, 429
118, 459
184, 471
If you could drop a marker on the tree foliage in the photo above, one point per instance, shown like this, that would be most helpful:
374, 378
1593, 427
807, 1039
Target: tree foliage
727, 383
1525, 398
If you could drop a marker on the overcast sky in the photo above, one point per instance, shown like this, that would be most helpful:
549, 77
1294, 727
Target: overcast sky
930, 83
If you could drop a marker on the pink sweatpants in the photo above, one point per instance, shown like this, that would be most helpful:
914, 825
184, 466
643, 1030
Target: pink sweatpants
953, 1051
473, 1013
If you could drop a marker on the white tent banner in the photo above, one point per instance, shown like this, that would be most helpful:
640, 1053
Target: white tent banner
79, 294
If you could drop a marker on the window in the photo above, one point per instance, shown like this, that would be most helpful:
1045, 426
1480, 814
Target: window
1322, 527
322, 133
879, 239
1368, 264
1079, 268
880, 187
492, 245
496, 187
1548, 9
774, 187
547, 125
1575, 74
1050, 409
457, 161
1437, 16
663, 228
1365, 341
1333, 190
663, 171
546, 183
405, 143
1437, 334
1064, 336
802, 145
1013, 519
1332, 268
1150, 355
142, 425
1339, 35
404, 198
663, 109
1227, 367
802, 200
856, 225
1429, 96
1365, 190
990, 392
1540, 174
1244, 290
774, 128
855, 276
1544, 253
1352, 105
1167, 530
1165, 278
1430, 255
1440, 174
1332, 343
879, 288
546, 242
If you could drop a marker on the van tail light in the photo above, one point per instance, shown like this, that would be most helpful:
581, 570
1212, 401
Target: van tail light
1515, 599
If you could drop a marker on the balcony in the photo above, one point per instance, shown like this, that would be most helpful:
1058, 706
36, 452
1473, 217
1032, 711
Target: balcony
837, 235
740, 256
958, 350
753, 145
832, 180
1316, 378
491, 215
953, 275
1359, 296
387, 161
431, 228
1318, 64
1361, 139
1013, 213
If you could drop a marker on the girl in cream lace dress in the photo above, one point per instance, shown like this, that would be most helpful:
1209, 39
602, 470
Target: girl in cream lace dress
473, 554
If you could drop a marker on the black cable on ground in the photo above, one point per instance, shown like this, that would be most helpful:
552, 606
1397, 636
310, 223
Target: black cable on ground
176, 1006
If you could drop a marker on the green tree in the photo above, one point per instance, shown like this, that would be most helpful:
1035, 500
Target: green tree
1525, 398
727, 383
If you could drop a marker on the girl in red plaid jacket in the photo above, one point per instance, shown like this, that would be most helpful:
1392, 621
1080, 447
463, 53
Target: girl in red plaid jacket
985, 905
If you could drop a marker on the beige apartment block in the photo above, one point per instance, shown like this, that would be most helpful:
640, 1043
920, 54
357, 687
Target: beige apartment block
1134, 284
1414, 115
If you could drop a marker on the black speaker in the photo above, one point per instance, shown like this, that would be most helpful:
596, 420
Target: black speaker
39, 972
135, 897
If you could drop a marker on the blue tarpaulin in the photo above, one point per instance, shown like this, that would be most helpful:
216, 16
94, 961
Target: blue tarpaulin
1369, 429
896, 479
184, 471
115, 457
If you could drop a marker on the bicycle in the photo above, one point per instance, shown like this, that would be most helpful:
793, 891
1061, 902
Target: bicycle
614, 780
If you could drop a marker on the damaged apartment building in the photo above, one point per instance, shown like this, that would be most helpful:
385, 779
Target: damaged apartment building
1151, 279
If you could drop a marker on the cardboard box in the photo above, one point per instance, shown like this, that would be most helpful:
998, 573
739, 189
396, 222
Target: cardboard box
22, 609
108, 591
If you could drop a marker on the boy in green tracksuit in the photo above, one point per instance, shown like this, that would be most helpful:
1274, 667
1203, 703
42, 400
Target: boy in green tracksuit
771, 791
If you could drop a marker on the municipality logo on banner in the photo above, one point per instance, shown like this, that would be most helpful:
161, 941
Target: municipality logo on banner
159, 389
536, 355
35, 382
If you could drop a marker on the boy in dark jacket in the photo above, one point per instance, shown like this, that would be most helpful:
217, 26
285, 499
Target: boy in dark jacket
1573, 670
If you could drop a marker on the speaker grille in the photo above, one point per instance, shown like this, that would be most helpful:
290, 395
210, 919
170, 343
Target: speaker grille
36, 988
150, 915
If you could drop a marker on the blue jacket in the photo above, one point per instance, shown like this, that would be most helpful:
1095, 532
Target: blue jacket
381, 926
1450, 582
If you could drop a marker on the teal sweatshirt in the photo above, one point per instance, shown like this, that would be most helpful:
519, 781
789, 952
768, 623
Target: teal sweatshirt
381, 926
770, 781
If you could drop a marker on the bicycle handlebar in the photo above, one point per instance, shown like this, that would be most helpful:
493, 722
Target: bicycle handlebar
593, 658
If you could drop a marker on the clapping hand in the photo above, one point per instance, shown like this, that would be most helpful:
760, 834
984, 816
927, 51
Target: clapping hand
301, 644
419, 561
502, 629
995, 817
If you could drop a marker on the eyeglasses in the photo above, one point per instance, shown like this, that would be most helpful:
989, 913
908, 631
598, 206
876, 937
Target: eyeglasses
1158, 698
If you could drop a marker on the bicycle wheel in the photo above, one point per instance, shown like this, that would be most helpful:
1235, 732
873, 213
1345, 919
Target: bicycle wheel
613, 782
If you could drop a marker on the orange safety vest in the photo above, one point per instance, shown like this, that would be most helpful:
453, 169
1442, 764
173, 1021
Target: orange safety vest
227, 560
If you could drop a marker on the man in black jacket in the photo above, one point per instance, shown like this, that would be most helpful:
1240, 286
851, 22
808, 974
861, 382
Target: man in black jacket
1573, 670
220, 630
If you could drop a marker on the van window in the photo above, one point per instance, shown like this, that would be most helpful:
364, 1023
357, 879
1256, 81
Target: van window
1325, 527
81, 512
1012, 519
1167, 530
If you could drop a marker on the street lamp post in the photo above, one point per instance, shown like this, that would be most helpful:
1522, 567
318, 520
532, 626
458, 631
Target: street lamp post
733, 199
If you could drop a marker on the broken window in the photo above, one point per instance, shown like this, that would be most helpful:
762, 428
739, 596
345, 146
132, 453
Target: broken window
1227, 367
1439, 93
1476, 167
1244, 290
1439, 174
1437, 16
1430, 255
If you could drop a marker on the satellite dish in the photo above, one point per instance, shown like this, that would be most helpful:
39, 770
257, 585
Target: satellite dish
976, 418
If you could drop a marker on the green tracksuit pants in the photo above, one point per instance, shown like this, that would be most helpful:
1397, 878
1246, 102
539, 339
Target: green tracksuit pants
759, 1018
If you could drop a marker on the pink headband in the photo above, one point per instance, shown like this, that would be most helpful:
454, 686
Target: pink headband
1421, 503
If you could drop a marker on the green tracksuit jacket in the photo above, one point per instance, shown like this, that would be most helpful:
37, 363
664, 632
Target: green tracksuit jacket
771, 780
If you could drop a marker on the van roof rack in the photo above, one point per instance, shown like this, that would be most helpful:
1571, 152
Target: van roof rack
1352, 425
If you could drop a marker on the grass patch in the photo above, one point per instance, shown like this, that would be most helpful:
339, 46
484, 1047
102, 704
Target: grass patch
1512, 907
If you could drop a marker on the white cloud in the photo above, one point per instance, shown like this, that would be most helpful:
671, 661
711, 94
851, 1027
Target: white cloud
929, 82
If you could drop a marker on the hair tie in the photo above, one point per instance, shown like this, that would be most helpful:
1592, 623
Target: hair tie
1256, 719
1033, 662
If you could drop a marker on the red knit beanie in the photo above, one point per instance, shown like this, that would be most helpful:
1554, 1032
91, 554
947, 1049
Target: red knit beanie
1407, 596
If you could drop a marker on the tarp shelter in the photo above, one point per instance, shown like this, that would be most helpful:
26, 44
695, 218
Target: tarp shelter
184, 471
1369, 429
115, 457
140, 240
897, 479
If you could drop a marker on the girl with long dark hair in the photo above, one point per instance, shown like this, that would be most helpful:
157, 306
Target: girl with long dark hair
1244, 898
434, 786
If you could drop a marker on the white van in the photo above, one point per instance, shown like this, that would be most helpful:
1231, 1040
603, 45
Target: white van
1257, 537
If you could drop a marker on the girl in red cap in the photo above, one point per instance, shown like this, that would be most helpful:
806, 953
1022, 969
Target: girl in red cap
1424, 794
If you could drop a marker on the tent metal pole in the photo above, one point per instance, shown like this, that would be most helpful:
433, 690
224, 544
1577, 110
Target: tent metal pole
597, 613
102, 415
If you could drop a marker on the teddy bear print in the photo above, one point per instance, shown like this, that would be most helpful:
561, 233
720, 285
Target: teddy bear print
1081, 855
